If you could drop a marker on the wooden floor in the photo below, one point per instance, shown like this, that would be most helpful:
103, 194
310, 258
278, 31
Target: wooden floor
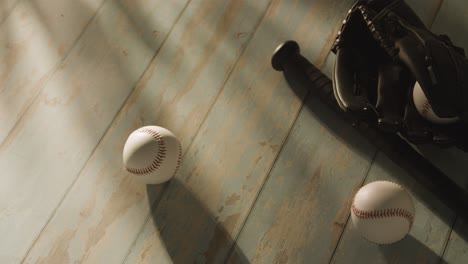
268, 173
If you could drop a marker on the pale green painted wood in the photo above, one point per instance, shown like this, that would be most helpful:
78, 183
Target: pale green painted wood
35, 38
433, 221
284, 225
31, 51
105, 210
225, 167
304, 205
427, 238
457, 246
6, 6
451, 161
452, 20
52, 142
426, 10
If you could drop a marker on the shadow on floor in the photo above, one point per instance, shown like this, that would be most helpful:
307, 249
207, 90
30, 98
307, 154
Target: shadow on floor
343, 130
180, 249
396, 253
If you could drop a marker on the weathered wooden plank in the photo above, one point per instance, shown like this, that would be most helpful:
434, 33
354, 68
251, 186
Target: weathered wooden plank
35, 37
225, 167
426, 10
105, 209
6, 6
433, 220
457, 246
304, 205
451, 20
427, 238
452, 161
52, 142
284, 225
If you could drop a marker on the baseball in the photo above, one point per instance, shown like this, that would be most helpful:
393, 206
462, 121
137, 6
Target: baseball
382, 212
152, 154
425, 109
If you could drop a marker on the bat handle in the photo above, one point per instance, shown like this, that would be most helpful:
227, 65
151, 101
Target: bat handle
287, 58
284, 54
299, 71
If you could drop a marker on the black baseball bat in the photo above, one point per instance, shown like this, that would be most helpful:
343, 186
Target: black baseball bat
288, 59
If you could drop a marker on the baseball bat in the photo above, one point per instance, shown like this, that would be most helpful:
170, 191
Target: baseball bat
288, 59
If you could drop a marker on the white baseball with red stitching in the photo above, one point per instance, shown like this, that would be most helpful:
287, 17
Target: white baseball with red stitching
425, 109
382, 212
152, 154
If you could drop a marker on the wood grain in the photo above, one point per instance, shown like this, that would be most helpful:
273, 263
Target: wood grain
66, 199
284, 225
426, 241
6, 6
451, 20
303, 207
202, 212
426, 10
36, 36
32, 48
106, 208
45, 153
457, 246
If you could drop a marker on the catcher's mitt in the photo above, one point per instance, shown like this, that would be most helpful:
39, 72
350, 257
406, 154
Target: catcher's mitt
382, 50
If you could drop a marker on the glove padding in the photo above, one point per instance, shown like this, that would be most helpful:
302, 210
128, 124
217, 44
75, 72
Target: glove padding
382, 49
437, 65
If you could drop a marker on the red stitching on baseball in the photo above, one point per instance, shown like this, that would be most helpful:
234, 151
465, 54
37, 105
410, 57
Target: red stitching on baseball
425, 107
382, 213
179, 159
389, 212
159, 157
